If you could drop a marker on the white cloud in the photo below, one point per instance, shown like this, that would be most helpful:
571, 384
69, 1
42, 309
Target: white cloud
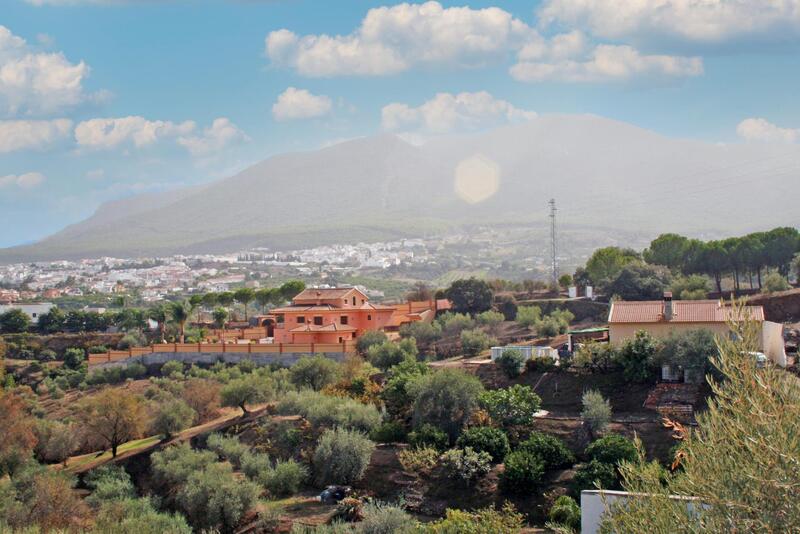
23, 181
448, 112
221, 134
394, 39
22, 135
699, 21
756, 129
300, 104
567, 58
37, 83
112, 132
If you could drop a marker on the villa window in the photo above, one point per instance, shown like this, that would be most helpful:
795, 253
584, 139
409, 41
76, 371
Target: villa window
318, 320
354, 301
369, 317
279, 318
343, 319
301, 319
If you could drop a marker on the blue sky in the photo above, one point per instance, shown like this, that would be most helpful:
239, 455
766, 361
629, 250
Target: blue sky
101, 99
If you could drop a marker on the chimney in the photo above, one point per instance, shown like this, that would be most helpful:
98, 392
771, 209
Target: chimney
668, 314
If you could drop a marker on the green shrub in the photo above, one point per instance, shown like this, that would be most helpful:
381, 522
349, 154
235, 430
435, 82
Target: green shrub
341, 456
108, 483
473, 342
138, 516
490, 318
511, 362
528, 316
46, 355
465, 465
424, 332
97, 349
254, 465
249, 389
596, 410
228, 448
216, 498
173, 416
389, 354
553, 452
612, 449
172, 367
74, 357
314, 372
368, 339
515, 405
566, 512
454, 323
418, 461
523, 472
285, 478
540, 364
637, 357
172, 465
382, 518
604, 474
483, 521
388, 432
327, 411
446, 399
428, 436
492, 441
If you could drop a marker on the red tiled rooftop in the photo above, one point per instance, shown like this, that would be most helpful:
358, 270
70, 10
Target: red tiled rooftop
332, 327
683, 311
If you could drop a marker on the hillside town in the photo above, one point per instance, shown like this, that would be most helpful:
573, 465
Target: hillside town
542, 400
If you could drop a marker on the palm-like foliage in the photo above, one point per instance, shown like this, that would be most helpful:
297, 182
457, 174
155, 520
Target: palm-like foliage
159, 315
179, 313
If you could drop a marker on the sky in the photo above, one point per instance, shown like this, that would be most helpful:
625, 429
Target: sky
103, 99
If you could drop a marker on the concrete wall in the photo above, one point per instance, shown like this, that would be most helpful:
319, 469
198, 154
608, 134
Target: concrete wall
595, 503
618, 332
210, 358
773, 343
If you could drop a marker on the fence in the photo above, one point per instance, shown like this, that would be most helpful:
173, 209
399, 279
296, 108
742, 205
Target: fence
216, 348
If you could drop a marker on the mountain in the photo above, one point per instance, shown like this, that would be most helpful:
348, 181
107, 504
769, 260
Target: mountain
603, 173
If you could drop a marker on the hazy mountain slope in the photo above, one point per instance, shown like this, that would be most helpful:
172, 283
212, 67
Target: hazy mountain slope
602, 173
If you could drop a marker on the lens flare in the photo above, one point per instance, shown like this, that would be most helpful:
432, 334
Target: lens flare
477, 178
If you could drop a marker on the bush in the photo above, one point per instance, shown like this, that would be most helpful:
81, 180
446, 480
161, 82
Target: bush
323, 410
228, 448
490, 319
454, 323
424, 332
637, 357
131, 339
549, 327
486, 439
73, 357
596, 357
511, 362
254, 466
508, 307
612, 449
46, 355
389, 354
172, 367
604, 474
596, 410
515, 405
203, 397
541, 364
528, 316
774, 282
109, 483
466, 465
428, 436
388, 432
284, 479
247, 390
470, 295
314, 372
473, 342
553, 452
138, 516
172, 417
522, 472
216, 497
446, 399
341, 456
368, 339
173, 465
382, 518
418, 460
396, 395
566, 512
483, 521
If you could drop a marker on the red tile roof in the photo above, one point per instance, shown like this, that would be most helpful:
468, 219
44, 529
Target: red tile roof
683, 311
313, 293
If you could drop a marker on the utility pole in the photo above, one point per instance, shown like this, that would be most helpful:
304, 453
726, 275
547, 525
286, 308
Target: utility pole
553, 244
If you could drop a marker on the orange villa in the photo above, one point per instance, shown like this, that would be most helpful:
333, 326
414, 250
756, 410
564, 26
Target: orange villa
340, 315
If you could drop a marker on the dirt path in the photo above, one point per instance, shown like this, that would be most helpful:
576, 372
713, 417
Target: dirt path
87, 462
